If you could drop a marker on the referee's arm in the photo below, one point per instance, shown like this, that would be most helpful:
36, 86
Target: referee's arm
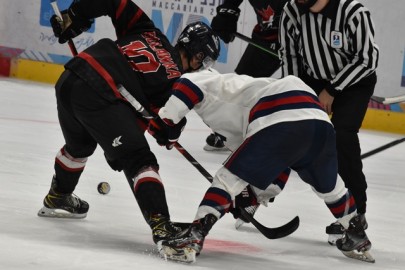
365, 54
288, 38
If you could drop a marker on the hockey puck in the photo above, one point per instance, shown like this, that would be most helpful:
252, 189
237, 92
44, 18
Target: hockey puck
103, 188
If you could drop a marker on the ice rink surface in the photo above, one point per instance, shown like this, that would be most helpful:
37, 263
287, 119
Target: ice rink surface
115, 236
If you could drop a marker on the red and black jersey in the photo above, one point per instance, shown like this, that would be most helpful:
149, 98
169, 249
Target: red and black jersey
141, 59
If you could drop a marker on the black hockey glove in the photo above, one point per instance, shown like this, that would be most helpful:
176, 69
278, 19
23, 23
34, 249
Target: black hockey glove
224, 24
244, 200
165, 132
70, 26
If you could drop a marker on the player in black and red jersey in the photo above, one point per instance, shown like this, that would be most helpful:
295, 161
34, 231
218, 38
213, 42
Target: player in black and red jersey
92, 111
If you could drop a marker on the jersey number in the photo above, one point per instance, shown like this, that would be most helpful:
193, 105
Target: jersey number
140, 58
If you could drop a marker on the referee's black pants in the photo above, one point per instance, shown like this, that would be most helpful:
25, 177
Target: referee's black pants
349, 108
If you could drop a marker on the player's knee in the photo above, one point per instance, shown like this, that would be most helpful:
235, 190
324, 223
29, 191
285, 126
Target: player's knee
82, 151
229, 182
132, 163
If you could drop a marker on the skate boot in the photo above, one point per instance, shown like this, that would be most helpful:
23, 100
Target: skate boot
163, 228
335, 230
187, 246
355, 243
215, 143
63, 205
363, 221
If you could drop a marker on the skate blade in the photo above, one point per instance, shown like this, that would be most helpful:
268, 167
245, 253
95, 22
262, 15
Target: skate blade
59, 213
210, 148
239, 223
184, 255
359, 255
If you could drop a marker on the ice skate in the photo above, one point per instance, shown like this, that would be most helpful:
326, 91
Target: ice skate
183, 248
185, 254
215, 143
189, 244
241, 220
163, 228
63, 205
355, 243
335, 230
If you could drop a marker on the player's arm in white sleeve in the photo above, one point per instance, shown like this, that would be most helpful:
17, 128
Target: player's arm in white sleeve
185, 95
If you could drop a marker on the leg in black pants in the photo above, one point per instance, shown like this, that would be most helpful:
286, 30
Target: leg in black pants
349, 109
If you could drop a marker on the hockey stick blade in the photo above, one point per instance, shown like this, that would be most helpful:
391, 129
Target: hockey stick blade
273, 233
388, 100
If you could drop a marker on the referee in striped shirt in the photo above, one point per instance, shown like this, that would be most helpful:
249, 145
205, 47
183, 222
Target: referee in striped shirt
330, 45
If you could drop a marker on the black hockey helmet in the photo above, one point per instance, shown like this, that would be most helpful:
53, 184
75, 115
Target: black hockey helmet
199, 40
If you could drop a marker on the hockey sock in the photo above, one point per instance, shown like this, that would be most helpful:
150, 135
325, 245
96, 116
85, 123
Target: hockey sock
216, 201
67, 171
150, 194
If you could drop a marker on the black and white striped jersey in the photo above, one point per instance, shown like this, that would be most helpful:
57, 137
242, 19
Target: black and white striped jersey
336, 45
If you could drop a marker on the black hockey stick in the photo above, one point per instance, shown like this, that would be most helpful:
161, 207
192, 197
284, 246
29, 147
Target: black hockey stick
382, 148
250, 41
193, 162
388, 100
271, 233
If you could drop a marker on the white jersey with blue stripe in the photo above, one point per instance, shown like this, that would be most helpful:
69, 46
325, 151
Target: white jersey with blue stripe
238, 106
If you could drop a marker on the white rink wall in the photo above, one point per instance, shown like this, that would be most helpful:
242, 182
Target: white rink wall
25, 32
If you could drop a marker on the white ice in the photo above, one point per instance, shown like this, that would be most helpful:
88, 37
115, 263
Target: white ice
115, 236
